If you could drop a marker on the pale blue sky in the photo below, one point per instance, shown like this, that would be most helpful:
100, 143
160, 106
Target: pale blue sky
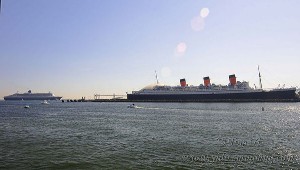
76, 48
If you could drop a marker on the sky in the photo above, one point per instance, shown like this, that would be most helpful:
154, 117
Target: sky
78, 48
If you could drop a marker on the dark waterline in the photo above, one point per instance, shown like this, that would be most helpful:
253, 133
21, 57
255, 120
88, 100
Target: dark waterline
154, 135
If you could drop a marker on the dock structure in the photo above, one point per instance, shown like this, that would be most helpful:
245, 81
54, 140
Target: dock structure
110, 97
100, 98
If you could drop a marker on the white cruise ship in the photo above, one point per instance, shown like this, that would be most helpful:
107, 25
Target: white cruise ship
32, 96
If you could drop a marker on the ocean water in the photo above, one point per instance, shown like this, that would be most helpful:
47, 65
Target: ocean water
153, 136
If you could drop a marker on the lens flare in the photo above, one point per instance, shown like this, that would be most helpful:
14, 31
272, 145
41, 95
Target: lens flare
197, 23
204, 12
181, 47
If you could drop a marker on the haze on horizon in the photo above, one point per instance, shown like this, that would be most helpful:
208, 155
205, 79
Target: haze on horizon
77, 48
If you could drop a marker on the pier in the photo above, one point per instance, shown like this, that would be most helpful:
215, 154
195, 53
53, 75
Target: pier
109, 98
113, 96
100, 98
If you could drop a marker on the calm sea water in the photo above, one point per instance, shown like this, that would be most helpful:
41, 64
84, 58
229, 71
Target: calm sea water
154, 135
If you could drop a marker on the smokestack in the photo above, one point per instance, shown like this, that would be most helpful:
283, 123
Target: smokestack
182, 82
232, 80
206, 81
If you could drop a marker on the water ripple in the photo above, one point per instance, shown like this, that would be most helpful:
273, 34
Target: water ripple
155, 135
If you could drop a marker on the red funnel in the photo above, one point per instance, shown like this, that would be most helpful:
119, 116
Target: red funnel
182, 82
206, 81
232, 79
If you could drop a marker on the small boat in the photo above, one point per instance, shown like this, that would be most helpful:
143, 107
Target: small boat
26, 106
132, 106
45, 102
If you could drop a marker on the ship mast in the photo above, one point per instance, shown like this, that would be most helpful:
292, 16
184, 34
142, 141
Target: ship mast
156, 77
260, 84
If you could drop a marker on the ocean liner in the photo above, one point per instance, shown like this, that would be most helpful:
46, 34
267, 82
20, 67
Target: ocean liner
32, 96
235, 91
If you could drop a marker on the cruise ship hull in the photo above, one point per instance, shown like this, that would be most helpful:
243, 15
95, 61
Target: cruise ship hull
31, 98
259, 96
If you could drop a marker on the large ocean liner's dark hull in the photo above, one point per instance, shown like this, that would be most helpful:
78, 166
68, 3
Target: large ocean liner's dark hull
260, 96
